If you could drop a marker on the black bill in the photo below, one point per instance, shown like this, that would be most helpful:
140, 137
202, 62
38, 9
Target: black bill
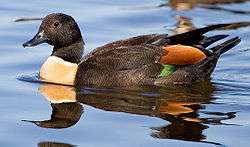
39, 38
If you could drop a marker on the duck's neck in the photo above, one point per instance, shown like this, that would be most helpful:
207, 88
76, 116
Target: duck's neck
61, 66
71, 53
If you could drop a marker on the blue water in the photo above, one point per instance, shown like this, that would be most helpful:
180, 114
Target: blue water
210, 114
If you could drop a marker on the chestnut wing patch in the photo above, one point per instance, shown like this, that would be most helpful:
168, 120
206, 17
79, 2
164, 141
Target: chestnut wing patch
181, 55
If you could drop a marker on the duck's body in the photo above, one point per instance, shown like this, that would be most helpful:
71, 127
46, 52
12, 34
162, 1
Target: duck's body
155, 59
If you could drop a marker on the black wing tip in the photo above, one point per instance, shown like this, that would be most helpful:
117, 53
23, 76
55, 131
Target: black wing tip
210, 40
227, 45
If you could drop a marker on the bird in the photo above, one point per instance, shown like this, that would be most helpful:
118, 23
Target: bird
144, 60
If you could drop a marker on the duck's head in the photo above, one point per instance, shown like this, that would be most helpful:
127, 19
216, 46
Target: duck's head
62, 32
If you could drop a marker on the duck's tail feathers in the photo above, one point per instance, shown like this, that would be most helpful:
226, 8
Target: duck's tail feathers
207, 66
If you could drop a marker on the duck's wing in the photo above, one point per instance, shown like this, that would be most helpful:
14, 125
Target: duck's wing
127, 65
134, 41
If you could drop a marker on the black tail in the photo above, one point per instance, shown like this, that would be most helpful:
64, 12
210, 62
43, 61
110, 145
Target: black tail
207, 66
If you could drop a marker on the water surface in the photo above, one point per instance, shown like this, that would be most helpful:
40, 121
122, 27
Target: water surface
207, 114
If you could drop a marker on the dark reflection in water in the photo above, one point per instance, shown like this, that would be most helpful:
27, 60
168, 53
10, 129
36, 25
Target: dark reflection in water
183, 5
63, 115
181, 107
54, 144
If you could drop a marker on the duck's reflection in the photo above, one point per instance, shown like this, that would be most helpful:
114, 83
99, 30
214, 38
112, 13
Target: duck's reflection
183, 5
189, 127
66, 111
180, 106
63, 115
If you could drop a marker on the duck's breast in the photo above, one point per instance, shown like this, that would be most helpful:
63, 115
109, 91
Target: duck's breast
56, 70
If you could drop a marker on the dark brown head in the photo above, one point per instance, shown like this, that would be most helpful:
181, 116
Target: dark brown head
62, 32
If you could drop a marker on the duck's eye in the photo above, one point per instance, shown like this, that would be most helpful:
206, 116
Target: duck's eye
56, 24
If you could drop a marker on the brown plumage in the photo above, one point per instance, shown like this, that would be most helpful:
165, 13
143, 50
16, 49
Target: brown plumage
134, 61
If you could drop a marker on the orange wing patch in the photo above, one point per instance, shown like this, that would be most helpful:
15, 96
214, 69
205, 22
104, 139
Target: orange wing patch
182, 55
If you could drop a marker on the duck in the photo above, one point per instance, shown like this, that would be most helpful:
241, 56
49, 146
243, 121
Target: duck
144, 60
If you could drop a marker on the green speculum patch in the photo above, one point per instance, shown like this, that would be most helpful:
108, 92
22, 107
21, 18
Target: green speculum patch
167, 70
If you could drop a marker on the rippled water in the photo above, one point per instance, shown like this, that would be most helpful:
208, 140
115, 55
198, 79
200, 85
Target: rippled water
209, 114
